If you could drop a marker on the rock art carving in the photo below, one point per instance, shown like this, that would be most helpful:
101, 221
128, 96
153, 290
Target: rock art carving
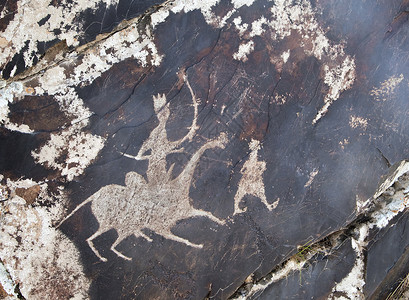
159, 202
298, 19
386, 89
251, 182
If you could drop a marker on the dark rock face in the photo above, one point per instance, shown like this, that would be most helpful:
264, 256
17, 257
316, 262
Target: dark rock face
315, 280
387, 259
187, 150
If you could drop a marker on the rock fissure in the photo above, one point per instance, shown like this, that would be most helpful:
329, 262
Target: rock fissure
385, 205
214, 141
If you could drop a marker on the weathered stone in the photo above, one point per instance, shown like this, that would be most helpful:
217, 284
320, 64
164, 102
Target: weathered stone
29, 194
178, 149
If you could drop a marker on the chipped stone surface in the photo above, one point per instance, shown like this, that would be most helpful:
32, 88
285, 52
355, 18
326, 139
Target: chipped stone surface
251, 182
355, 242
202, 149
163, 200
355, 122
387, 88
29, 243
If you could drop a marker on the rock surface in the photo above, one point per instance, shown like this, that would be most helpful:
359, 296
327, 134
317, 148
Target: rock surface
203, 149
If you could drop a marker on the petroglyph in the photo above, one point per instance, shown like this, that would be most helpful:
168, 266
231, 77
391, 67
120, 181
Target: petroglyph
386, 89
159, 202
279, 99
288, 18
312, 175
251, 182
343, 143
356, 122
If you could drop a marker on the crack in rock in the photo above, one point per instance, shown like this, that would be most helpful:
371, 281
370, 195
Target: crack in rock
379, 211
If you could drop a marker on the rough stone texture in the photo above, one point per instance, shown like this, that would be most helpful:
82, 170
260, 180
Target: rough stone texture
314, 280
193, 149
387, 259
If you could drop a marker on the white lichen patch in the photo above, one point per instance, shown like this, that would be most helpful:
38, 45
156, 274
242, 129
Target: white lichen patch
23, 183
159, 17
241, 27
285, 55
358, 122
159, 202
8, 93
52, 80
7, 282
206, 7
389, 206
257, 27
127, 43
251, 182
285, 17
244, 50
393, 204
24, 30
239, 3
73, 107
71, 150
80, 147
130, 42
386, 89
352, 285
338, 79
30, 245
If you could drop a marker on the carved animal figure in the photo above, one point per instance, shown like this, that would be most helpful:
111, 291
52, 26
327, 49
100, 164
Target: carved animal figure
251, 182
158, 202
